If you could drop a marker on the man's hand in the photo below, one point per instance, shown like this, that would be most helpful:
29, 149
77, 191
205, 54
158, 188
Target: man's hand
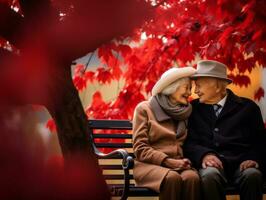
177, 163
211, 160
248, 164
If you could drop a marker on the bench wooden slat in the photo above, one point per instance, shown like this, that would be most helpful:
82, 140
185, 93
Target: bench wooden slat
116, 176
113, 145
110, 124
118, 157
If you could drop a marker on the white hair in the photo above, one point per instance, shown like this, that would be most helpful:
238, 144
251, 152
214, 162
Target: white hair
170, 89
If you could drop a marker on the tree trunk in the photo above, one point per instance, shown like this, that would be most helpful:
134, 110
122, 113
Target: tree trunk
73, 131
70, 118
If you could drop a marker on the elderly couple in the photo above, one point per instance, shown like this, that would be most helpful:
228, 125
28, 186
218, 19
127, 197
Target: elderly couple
219, 134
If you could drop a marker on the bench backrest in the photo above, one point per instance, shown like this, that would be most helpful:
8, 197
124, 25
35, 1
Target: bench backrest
107, 136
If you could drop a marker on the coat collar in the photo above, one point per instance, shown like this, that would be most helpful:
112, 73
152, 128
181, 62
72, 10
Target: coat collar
157, 110
231, 103
233, 97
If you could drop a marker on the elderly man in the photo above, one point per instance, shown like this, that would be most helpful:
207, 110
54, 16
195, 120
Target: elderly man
224, 137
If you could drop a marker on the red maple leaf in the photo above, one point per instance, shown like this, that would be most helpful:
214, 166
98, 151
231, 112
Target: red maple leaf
246, 64
149, 86
79, 82
97, 99
89, 76
125, 50
116, 72
105, 52
260, 57
227, 33
50, 124
259, 94
133, 60
103, 75
79, 69
98, 109
241, 80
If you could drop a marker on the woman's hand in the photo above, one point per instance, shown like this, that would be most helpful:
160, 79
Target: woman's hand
177, 163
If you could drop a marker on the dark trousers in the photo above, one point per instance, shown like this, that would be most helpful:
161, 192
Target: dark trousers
214, 181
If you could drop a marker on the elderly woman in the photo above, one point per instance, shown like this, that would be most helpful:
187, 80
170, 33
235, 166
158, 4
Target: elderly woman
159, 130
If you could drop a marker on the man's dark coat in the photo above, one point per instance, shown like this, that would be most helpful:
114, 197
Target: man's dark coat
235, 136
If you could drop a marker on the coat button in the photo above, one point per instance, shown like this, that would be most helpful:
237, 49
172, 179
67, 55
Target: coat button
216, 144
216, 129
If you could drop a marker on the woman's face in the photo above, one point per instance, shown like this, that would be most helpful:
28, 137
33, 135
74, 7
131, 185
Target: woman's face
182, 93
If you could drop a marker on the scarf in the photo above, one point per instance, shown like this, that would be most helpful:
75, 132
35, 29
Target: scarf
177, 112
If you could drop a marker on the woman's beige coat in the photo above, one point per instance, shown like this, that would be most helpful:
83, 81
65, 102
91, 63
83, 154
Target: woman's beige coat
154, 139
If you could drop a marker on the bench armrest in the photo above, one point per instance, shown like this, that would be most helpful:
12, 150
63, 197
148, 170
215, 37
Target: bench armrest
127, 160
127, 164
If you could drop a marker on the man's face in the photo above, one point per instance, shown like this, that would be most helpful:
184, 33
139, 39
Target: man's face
207, 89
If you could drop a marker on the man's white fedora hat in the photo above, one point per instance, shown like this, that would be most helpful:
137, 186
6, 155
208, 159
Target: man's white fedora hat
211, 68
170, 76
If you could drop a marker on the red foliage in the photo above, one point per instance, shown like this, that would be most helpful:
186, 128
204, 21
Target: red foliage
105, 52
98, 106
241, 80
89, 76
2, 42
228, 31
259, 94
50, 124
125, 50
49, 38
79, 82
104, 75
12, 3
56, 41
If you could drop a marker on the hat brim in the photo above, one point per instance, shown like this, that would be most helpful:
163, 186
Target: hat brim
165, 81
195, 76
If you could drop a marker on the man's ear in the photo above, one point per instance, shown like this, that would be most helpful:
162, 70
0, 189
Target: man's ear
218, 86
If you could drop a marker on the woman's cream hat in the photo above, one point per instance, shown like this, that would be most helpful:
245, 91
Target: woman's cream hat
170, 76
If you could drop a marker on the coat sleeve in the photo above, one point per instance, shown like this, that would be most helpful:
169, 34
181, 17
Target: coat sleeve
194, 149
257, 135
141, 147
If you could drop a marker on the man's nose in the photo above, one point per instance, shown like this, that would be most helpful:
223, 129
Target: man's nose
196, 90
